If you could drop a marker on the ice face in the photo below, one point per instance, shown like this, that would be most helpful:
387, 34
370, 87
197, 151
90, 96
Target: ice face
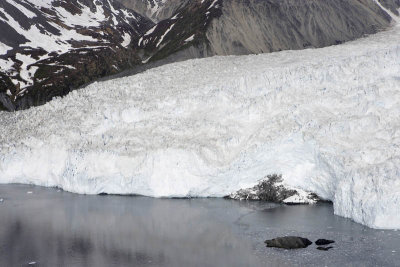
327, 119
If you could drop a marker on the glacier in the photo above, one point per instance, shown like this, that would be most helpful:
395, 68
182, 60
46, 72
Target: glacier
327, 120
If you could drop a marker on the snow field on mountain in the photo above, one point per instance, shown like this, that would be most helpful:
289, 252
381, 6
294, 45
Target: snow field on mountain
327, 119
3, 49
38, 37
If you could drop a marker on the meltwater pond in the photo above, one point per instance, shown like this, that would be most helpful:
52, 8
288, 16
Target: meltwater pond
49, 227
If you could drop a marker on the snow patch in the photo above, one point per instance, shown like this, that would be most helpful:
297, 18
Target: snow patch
126, 40
150, 31
213, 4
191, 38
393, 16
26, 71
6, 65
4, 48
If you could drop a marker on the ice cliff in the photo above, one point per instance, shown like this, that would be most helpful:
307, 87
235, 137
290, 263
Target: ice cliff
327, 120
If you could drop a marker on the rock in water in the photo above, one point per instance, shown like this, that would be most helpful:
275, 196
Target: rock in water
272, 189
321, 242
324, 248
288, 242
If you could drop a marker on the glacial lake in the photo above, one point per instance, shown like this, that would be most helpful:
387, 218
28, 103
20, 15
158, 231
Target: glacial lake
49, 227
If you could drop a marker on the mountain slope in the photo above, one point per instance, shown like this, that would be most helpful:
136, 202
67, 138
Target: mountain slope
51, 46
259, 26
156, 10
186, 28
327, 120
392, 5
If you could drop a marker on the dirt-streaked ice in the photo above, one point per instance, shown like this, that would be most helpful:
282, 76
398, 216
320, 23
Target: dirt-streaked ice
327, 119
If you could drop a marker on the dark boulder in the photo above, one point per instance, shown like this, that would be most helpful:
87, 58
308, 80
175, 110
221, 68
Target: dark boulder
322, 242
288, 242
324, 248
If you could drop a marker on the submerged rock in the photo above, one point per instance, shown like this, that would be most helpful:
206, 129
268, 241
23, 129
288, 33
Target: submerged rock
272, 189
288, 242
321, 242
324, 248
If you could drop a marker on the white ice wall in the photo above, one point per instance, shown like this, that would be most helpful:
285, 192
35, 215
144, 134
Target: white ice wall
327, 119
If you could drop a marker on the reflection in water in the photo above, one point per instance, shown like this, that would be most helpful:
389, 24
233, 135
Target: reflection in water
56, 228
61, 229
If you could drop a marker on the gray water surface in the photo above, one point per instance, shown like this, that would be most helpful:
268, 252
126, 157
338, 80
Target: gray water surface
50, 227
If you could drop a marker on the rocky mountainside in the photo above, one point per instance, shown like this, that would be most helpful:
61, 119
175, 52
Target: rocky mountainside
49, 47
156, 10
238, 27
392, 5
260, 26
187, 29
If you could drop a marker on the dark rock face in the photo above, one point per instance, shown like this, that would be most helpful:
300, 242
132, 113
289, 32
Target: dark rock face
269, 189
186, 29
272, 190
53, 47
239, 27
324, 248
260, 26
156, 10
322, 242
288, 242
392, 5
